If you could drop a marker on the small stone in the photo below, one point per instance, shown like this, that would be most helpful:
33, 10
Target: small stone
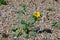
0, 22
15, 37
58, 38
58, 33
14, 23
37, 29
21, 38
4, 15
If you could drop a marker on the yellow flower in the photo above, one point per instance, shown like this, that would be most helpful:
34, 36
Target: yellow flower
36, 14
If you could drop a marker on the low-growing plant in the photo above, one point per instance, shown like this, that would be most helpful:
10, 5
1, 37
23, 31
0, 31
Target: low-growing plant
15, 33
25, 34
23, 21
53, 22
23, 10
58, 24
26, 27
32, 33
14, 28
3, 2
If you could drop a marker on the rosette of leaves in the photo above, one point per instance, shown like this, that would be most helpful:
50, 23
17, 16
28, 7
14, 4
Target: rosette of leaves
17, 29
26, 26
53, 22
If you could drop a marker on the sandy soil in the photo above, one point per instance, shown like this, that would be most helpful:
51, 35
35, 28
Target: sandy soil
8, 17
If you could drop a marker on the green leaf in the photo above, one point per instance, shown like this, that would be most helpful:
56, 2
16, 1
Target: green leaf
22, 26
30, 20
13, 28
58, 24
32, 33
23, 5
18, 11
15, 33
53, 22
25, 30
23, 21
33, 29
23, 11
24, 34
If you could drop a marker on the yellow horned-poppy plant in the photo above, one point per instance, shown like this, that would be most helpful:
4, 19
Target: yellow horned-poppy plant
20, 31
36, 14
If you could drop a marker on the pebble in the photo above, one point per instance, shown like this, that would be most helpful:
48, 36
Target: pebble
15, 38
1, 23
10, 8
21, 38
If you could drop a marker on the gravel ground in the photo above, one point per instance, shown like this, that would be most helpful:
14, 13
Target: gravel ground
8, 17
